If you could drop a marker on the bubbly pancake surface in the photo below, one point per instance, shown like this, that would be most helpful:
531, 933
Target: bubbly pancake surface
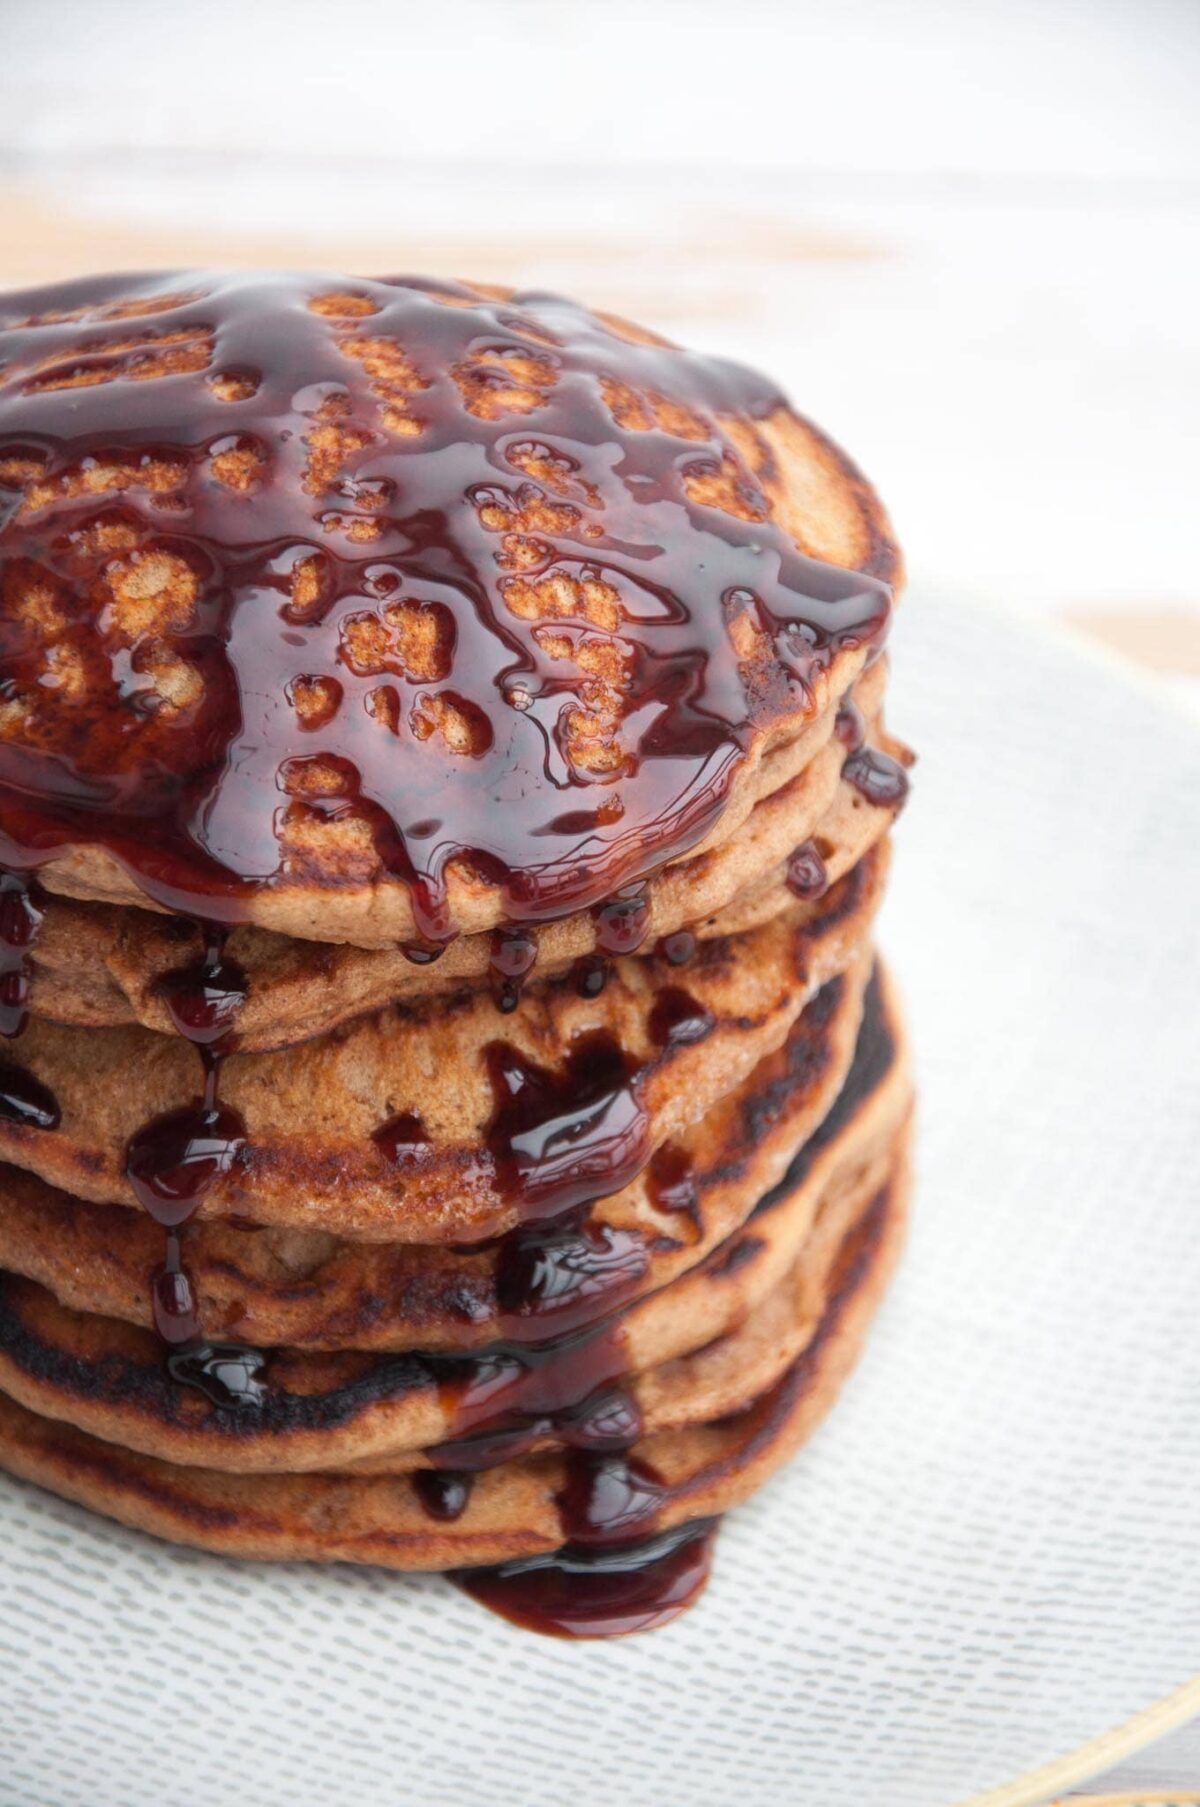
398, 608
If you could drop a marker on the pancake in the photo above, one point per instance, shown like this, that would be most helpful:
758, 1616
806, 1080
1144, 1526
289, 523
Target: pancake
318, 1411
516, 1509
384, 611
643, 1061
450, 1111
100, 966
380, 1414
310, 1290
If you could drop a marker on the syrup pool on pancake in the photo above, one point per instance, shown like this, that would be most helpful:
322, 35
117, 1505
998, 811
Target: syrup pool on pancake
332, 487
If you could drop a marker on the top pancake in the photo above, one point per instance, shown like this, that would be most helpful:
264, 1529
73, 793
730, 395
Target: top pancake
369, 611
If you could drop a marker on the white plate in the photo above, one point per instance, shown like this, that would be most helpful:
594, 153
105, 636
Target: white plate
989, 1554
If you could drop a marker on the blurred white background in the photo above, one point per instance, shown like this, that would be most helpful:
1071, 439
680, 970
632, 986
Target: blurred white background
967, 235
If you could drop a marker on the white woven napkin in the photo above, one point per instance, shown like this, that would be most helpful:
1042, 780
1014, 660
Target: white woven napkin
988, 1555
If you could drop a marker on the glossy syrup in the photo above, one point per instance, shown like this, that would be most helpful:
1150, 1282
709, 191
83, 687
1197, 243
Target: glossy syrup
443, 1494
806, 874
876, 776
678, 949
24, 1099
599, 1591
568, 1276
21, 912
173, 1161
561, 1139
616, 1571
678, 1020
511, 960
190, 800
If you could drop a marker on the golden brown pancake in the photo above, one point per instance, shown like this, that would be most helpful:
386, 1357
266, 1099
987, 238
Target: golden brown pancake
102, 966
308, 1289
311, 1112
320, 1411
379, 640
379, 1414
450, 1113
512, 1509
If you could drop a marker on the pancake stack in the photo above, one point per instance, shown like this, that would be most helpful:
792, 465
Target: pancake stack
452, 1114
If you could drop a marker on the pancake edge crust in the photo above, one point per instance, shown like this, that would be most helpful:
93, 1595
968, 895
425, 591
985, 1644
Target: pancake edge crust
378, 1521
411, 389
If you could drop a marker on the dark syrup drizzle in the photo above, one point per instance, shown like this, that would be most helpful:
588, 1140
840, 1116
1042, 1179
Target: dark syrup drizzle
418, 955
671, 1182
174, 1160
678, 949
677, 1020
601, 1591
403, 1139
21, 914
876, 776
806, 874
562, 1139
558, 1272
621, 923
443, 1494
849, 725
189, 801
591, 975
512, 957
612, 1573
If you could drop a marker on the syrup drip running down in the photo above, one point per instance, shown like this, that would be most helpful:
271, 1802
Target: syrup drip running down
418, 955
23, 1097
20, 919
806, 874
677, 1020
403, 1140
591, 975
173, 1161
443, 1495
613, 1573
621, 923
849, 725
507, 1401
671, 1182
876, 776
512, 958
599, 1591
559, 1273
